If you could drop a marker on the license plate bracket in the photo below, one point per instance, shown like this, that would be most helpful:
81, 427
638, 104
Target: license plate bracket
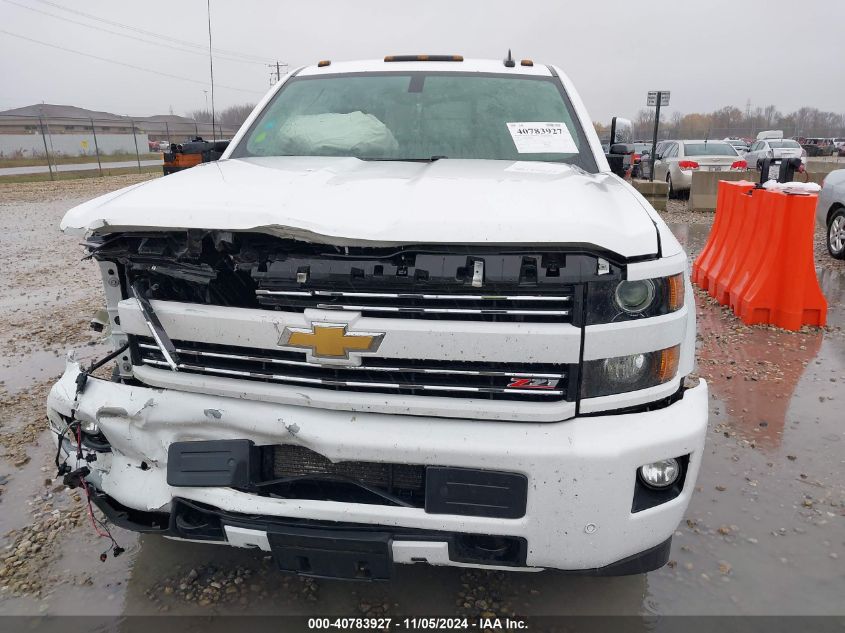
331, 553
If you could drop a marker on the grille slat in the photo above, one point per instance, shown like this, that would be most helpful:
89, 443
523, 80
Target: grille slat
491, 306
437, 378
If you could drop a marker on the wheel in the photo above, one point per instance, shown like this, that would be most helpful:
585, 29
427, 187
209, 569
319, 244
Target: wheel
836, 234
671, 188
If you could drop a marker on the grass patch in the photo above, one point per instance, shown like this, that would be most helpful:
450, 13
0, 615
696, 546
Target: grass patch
77, 175
74, 160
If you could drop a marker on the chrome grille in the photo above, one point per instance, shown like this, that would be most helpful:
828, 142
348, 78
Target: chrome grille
524, 382
554, 307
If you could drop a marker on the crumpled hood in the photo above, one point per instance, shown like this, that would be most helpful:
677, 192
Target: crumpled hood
349, 201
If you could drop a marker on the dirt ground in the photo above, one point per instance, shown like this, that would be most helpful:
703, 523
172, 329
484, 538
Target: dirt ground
763, 534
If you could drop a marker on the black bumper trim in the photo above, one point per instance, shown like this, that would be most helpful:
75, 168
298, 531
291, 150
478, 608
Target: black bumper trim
463, 548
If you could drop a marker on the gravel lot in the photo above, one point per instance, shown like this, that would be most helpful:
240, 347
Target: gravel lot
763, 535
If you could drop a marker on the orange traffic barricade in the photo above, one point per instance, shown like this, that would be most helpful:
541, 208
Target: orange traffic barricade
711, 258
759, 257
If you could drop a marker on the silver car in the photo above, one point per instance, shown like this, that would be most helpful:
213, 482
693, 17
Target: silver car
772, 148
738, 144
830, 212
678, 160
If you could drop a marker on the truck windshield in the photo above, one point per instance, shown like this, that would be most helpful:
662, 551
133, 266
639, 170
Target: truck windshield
420, 116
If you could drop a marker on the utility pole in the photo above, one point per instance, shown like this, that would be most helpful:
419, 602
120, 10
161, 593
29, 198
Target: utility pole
276, 71
210, 67
748, 115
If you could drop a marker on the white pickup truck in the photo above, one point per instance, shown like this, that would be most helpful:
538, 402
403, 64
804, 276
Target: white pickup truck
410, 316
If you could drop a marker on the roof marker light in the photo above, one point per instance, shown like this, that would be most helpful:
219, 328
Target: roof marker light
323, 63
424, 58
526, 62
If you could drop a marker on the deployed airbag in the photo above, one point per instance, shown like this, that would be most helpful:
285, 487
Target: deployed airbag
332, 133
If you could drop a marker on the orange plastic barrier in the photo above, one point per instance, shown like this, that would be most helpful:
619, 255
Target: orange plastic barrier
758, 258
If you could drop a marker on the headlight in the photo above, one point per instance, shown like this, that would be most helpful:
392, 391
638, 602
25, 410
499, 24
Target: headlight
614, 300
634, 296
629, 373
91, 428
660, 474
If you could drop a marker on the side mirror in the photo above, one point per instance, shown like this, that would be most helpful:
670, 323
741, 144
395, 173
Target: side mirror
621, 131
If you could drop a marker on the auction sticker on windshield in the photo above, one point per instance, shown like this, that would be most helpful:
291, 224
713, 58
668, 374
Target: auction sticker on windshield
532, 137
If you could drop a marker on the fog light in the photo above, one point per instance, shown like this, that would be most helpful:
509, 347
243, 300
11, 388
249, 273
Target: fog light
660, 474
91, 428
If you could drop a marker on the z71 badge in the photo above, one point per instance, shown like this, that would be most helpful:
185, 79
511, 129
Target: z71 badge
533, 383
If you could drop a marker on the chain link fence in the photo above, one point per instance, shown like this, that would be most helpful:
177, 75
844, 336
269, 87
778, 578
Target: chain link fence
50, 145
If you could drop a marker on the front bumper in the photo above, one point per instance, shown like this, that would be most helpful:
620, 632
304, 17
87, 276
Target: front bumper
581, 473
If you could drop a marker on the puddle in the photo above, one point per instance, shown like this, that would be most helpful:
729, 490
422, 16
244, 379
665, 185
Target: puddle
19, 373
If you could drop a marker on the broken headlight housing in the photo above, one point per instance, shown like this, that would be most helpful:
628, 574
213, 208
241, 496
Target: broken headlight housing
613, 300
621, 374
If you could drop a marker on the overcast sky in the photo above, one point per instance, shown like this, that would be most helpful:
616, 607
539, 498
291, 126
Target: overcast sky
710, 53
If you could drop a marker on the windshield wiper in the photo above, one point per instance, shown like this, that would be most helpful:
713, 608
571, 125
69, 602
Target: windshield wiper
404, 160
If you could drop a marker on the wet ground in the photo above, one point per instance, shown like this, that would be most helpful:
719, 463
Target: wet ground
763, 534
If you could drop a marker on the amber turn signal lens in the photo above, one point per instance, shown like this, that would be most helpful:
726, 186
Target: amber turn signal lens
676, 292
323, 63
667, 365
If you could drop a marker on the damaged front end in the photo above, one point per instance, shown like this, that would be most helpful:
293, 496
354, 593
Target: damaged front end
308, 397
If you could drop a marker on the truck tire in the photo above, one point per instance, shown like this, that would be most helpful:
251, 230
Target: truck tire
836, 234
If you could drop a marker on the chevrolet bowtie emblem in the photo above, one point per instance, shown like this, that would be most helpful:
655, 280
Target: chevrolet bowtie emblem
330, 340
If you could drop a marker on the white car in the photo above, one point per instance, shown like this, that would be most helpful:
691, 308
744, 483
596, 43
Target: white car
738, 144
772, 148
678, 160
409, 317
830, 212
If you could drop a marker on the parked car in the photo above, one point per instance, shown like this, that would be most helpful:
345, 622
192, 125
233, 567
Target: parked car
739, 145
830, 212
641, 148
163, 146
645, 160
820, 147
410, 316
772, 148
677, 161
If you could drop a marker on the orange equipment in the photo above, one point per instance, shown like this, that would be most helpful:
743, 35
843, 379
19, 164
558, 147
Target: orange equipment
759, 257
192, 153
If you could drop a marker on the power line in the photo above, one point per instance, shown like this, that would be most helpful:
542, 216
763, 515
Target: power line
126, 35
149, 33
112, 61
